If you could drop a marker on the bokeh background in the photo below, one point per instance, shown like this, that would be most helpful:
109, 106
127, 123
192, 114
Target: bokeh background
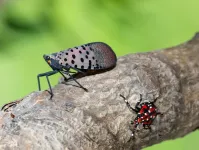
31, 28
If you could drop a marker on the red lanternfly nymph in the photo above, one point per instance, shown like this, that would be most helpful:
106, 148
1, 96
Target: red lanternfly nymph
146, 113
94, 57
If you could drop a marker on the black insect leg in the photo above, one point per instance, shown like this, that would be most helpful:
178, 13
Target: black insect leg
51, 92
67, 71
71, 76
47, 74
138, 103
136, 110
65, 79
78, 82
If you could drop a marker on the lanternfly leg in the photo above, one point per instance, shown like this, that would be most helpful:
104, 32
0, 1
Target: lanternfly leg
51, 92
76, 81
67, 71
128, 105
65, 79
47, 74
137, 104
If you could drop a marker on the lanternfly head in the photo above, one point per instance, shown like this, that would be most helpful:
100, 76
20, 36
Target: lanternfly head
52, 62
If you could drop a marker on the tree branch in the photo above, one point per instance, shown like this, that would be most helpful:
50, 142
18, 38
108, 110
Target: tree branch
99, 119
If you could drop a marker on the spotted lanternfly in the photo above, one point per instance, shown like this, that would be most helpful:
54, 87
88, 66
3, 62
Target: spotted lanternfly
146, 113
88, 57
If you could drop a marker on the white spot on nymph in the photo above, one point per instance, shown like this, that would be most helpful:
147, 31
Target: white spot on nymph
150, 107
149, 111
145, 113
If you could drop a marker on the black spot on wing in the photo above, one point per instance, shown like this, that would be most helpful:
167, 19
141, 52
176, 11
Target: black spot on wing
73, 56
82, 59
72, 61
65, 59
90, 64
83, 47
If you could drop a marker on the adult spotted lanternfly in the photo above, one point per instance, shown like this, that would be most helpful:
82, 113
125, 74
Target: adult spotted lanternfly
146, 113
88, 57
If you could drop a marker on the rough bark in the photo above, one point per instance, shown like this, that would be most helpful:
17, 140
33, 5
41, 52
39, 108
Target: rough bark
99, 119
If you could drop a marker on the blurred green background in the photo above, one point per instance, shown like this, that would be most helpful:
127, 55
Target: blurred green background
31, 28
